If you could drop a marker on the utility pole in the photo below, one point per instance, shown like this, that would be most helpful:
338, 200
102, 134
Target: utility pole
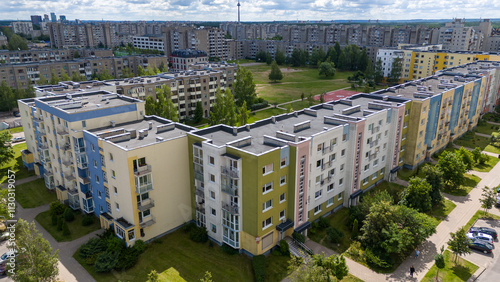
239, 11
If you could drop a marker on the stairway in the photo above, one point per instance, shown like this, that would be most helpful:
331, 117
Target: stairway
298, 249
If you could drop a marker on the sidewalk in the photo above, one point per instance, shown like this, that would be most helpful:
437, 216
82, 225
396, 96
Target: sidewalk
22, 181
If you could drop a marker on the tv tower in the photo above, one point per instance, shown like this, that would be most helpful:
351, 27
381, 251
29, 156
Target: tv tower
239, 11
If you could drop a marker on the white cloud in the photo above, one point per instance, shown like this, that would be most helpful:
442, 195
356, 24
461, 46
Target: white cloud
251, 10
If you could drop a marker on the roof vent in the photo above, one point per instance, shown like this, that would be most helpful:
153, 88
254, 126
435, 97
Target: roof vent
113, 123
150, 125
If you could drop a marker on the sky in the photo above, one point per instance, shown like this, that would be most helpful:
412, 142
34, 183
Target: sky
251, 10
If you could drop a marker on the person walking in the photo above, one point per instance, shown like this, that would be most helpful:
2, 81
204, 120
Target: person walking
412, 270
417, 252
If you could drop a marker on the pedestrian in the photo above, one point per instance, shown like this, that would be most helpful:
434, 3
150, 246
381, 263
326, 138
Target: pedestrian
417, 253
412, 270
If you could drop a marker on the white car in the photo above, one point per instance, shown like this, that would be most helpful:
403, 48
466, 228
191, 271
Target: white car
480, 236
6, 256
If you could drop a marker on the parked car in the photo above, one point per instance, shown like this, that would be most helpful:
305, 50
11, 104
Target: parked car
18, 139
481, 245
480, 236
5, 257
485, 230
5, 235
3, 268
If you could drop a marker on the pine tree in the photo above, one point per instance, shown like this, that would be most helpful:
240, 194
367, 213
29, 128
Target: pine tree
198, 113
244, 113
231, 116
54, 80
275, 73
378, 74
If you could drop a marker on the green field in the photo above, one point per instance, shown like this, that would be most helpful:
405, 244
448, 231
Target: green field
265, 114
13, 130
34, 194
453, 271
75, 226
470, 182
470, 140
16, 165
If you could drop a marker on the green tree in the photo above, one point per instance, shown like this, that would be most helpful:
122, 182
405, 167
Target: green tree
37, 261
434, 176
243, 114
64, 76
6, 97
162, 67
417, 195
440, 262
307, 270
126, 73
343, 63
16, 43
395, 73
6, 151
295, 58
261, 56
488, 198
207, 277
269, 58
42, 80
4, 205
363, 60
280, 57
333, 265
54, 79
231, 117
302, 96
378, 73
76, 55
327, 69
153, 276
150, 106
217, 113
105, 75
140, 71
459, 243
165, 107
337, 50
355, 229
369, 71
275, 73
198, 113
453, 169
244, 87
467, 157
76, 77
310, 100
317, 56
476, 154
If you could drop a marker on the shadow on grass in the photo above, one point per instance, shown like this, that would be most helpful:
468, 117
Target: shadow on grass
462, 272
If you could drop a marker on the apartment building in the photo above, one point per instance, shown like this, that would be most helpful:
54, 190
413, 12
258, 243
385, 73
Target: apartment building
181, 60
3, 40
455, 36
50, 55
22, 27
24, 74
149, 42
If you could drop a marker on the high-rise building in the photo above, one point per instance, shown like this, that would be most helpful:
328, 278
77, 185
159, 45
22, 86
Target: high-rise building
53, 17
46, 18
22, 27
36, 19
62, 18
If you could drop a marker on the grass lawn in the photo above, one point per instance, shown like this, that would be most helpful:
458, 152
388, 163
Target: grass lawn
15, 164
470, 182
461, 270
487, 128
299, 105
191, 260
13, 130
265, 114
337, 220
470, 140
276, 267
441, 211
34, 194
170, 275
75, 226
477, 215
241, 61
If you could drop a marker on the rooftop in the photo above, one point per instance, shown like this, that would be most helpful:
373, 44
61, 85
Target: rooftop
189, 53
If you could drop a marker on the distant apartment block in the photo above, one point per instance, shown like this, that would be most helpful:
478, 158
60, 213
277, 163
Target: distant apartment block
149, 42
181, 60
50, 55
22, 27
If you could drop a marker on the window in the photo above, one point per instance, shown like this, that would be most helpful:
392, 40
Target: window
282, 198
318, 194
267, 223
117, 206
267, 187
120, 232
318, 179
342, 153
405, 124
91, 146
329, 202
422, 121
332, 157
340, 195
110, 157
404, 136
333, 142
282, 214
213, 211
320, 147
267, 205
283, 180
212, 178
95, 163
344, 137
212, 195
267, 169
113, 174
365, 181
317, 209
99, 194
386, 132
283, 162
211, 160
375, 162
374, 175
131, 234
342, 167
367, 167
341, 181
108, 206
214, 228
97, 178
84, 123
421, 133
330, 187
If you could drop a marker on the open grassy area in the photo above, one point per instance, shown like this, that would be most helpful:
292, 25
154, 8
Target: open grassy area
487, 128
13, 130
337, 220
453, 271
299, 105
392, 188
471, 140
295, 82
16, 164
241, 61
191, 260
34, 194
265, 114
441, 211
75, 226
470, 182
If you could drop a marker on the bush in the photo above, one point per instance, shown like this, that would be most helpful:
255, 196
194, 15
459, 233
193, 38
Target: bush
188, 227
87, 220
299, 237
323, 223
355, 229
106, 261
56, 208
228, 249
284, 248
198, 234
68, 214
128, 258
483, 158
92, 247
334, 235
376, 261
259, 268
59, 223
140, 246
115, 245
258, 106
65, 229
54, 219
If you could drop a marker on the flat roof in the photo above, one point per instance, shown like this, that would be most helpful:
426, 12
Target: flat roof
87, 101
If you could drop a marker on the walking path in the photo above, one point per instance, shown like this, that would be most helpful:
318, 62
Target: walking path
22, 181
492, 122
465, 209
470, 149
482, 134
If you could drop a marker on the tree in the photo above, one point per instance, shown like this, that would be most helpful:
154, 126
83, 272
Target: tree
434, 176
54, 79
75, 77
269, 58
165, 107
76, 55
150, 105
302, 96
355, 229
37, 261
488, 198
42, 80
217, 113
467, 157
6, 97
327, 69
244, 87
207, 277
280, 57
440, 262
395, 73
162, 67
126, 73
476, 154
332, 265
337, 50
243, 114
6, 151
459, 243
417, 195
64, 76
16, 43
310, 100
453, 169
261, 56
306, 270
363, 60
140, 71
275, 73
369, 71
153, 276
343, 63
231, 117
4, 205
198, 113
317, 56
295, 58
378, 74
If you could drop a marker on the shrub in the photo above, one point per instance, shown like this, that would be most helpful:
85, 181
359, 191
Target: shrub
334, 235
299, 237
68, 214
323, 223
198, 234
92, 247
188, 227
128, 258
210, 244
54, 219
106, 261
228, 249
259, 268
87, 220
483, 158
56, 208
284, 248
115, 245
59, 223
91, 260
258, 106
65, 229
140, 246
355, 229
376, 261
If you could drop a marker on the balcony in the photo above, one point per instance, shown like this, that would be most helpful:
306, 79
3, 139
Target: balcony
68, 162
84, 180
69, 177
66, 147
145, 204
38, 119
62, 132
82, 164
41, 131
43, 145
147, 221
231, 208
230, 189
143, 187
141, 170
199, 191
230, 171
200, 208
73, 199
48, 173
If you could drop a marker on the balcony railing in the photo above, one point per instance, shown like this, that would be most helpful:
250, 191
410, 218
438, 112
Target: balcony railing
230, 171
84, 180
143, 188
230, 189
200, 208
62, 132
66, 147
198, 175
231, 208
199, 191
147, 221
141, 170
43, 145
68, 162
69, 177
145, 204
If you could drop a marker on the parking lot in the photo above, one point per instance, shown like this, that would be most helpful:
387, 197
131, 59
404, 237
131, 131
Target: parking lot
3, 249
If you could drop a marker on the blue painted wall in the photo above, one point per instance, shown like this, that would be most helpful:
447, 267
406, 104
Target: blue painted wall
433, 119
457, 103
474, 99
94, 155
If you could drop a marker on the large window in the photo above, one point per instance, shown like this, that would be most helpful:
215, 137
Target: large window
267, 187
267, 169
120, 232
267, 223
267, 205
317, 209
